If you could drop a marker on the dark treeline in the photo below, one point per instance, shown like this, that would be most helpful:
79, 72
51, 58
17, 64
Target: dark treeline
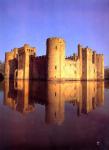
2, 70
2, 67
106, 72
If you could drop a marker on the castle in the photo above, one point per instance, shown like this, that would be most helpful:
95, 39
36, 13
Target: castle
22, 63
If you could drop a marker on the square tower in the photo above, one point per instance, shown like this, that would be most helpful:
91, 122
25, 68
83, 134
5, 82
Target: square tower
24, 59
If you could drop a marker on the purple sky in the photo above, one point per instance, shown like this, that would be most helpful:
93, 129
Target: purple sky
33, 21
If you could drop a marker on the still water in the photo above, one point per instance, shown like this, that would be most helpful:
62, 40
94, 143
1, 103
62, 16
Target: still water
54, 115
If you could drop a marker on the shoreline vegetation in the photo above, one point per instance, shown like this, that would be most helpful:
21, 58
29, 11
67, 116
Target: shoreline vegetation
1, 77
2, 68
106, 73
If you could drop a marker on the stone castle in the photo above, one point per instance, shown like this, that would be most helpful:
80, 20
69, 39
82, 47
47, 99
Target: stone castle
22, 63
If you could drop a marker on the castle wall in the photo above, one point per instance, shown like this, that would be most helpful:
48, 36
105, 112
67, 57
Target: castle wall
72, 70
10, 64
8, 57
89, 66
100, 66
22, 63
39, 65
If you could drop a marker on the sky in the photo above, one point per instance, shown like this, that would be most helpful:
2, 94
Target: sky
33, 21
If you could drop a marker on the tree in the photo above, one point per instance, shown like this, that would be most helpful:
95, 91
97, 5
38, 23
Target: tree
2, 67
106, 72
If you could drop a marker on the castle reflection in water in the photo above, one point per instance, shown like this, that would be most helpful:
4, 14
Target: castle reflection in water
23, 96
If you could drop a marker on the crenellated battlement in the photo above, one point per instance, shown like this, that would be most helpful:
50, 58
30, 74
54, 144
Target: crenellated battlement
73, 58
56, 39
41, 57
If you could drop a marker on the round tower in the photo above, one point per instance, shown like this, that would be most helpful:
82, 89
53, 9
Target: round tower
55, 58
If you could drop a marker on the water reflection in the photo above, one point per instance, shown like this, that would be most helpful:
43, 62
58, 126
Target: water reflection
23, 96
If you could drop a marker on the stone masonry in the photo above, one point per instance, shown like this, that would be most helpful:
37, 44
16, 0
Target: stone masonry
23, 63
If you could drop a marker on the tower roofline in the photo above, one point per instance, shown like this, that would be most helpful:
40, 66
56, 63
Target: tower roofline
55, 38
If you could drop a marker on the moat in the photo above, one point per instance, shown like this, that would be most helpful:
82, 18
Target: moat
54, 115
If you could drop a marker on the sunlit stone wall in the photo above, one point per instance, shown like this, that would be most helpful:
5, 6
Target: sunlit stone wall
22, 63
